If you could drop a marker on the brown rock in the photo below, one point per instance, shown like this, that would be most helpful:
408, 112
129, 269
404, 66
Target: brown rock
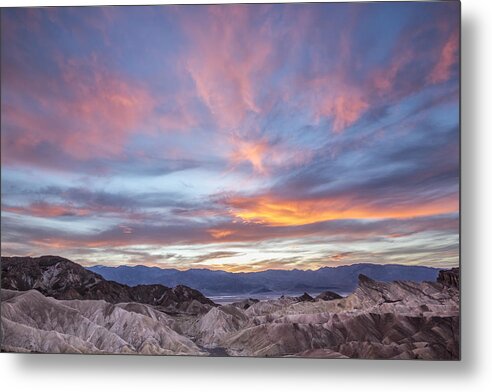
450, 277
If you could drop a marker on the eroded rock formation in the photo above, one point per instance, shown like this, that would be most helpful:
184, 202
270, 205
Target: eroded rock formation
60, 278
450, 277
53, 305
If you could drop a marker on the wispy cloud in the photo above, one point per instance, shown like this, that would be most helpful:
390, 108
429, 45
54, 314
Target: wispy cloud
220, 136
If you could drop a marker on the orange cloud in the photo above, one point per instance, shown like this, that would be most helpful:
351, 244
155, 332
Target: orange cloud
264, 155
276, 212
219, 233
253, 152
338, 257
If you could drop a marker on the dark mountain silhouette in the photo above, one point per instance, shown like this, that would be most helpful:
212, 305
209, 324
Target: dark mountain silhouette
60, 278
341, 279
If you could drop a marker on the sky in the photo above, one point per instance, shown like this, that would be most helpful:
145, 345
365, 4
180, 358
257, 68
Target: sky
233, 137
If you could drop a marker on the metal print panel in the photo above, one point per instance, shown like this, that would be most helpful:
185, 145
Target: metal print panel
267, 180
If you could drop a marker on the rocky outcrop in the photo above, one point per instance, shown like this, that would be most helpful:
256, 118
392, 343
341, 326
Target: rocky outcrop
35, 323
379, 320
60, 278
449, 277
305, 297
246, 303
218, 323
277, 339
327, 296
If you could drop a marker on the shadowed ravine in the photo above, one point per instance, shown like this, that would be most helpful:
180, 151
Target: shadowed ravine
216, 351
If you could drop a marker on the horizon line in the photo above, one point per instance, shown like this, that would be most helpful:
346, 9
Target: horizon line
240, 272
270, 269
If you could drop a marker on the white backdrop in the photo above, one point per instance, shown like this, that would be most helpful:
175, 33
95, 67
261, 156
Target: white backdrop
474, 372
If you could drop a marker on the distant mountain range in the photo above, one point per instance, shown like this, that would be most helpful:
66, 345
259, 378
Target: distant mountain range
341, 279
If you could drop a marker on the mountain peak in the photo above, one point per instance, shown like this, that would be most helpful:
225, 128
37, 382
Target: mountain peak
61, 278
363, 279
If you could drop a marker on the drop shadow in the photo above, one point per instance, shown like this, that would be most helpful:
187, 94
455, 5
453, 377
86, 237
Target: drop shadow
113, 365
469, 189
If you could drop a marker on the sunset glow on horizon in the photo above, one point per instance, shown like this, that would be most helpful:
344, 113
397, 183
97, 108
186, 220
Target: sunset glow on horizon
233, 137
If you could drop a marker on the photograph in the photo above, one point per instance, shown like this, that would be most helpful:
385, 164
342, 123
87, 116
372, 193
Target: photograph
232, 180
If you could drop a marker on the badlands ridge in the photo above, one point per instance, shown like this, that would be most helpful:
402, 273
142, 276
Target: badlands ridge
52, 305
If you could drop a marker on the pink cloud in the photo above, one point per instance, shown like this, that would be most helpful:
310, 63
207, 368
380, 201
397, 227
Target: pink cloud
345, 107
330, 92
46, 210
232, 54
227, 60
87, 112
263, 155
383, 81
448, 57
384, 78
253, 152
107, 109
